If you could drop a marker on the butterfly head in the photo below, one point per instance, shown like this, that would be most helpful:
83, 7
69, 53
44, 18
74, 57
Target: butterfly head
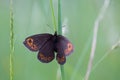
55, 34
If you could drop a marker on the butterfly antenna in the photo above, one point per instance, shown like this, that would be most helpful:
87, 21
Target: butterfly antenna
50, 27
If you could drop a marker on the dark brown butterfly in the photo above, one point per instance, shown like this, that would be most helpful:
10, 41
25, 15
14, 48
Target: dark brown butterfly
46, 44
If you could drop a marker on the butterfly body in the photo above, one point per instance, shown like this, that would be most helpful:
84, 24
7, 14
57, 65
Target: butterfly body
46, 44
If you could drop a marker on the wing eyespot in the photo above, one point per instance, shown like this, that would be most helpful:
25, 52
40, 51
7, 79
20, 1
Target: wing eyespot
69, 45
68, 49
30, 41
34, 47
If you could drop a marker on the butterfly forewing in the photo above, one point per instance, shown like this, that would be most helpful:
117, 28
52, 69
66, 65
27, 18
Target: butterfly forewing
63, 48
46, 52
35, 42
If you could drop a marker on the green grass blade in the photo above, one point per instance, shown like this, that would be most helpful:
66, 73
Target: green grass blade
53, 16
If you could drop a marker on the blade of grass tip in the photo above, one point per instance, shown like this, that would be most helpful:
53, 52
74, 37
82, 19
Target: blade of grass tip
11, 40
96, 26
60, 32
53, 16
115, 46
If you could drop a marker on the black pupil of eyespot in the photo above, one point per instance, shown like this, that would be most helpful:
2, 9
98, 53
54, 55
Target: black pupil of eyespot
69, 46
30, 41
33, 46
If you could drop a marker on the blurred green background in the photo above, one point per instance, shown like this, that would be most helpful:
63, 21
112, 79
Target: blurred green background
34, 16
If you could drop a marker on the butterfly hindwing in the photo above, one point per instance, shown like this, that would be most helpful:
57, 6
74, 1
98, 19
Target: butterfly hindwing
35, 42
46, 52
61, 59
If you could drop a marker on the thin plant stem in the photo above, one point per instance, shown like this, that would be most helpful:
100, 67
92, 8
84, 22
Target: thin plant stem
59, 18
62, 72
94, 42
60, 32
115, 46
59, 29
53, 16
11, 40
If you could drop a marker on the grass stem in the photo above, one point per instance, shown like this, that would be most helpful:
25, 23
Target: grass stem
11, 40
62, 72
60, 32
94, 42
59, 18
59, 29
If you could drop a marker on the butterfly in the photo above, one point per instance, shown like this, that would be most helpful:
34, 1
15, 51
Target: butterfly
47, 44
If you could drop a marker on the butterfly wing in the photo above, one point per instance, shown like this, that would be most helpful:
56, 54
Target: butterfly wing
60, 57
63, 48
35, 42
46, 52
63, 45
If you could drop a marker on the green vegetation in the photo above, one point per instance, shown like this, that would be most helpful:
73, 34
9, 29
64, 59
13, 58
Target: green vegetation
78, 17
